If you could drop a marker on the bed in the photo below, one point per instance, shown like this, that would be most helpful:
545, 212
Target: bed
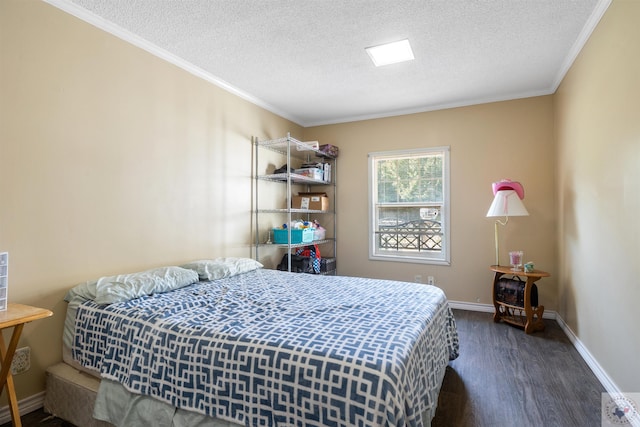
236, 344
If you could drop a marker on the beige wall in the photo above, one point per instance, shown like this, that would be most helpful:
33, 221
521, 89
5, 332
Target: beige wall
488, 142
598, 136
111, 160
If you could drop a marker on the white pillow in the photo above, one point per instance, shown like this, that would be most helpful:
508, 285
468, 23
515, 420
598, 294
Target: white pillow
125, 287
219, 268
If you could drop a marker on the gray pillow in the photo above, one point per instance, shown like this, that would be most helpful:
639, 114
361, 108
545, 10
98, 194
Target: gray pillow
219, 268
125, 287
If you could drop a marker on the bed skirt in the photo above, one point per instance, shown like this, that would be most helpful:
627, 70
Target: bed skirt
71, 395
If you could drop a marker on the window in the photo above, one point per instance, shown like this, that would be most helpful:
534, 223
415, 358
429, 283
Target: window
409, 205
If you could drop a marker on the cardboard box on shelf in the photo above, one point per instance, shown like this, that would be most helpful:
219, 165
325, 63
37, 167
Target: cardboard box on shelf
310, 201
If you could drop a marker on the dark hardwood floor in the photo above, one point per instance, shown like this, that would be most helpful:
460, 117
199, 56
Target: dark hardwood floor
502, 378
40, 419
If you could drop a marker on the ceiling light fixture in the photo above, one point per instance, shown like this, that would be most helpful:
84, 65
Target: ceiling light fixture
390, 53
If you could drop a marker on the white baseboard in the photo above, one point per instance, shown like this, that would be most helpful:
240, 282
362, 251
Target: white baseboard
488, 308
606, 381
471, 306
26, 405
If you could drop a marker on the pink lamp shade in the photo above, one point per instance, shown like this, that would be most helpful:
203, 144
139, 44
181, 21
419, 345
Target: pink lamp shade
507, 184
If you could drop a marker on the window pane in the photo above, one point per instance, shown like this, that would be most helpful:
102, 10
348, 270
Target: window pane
410, 180
408, 204
387, 173
409, 229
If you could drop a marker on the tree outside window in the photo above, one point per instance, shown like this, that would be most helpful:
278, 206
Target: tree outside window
409, 193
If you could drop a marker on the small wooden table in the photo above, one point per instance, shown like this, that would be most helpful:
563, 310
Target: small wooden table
15, 316
507, 312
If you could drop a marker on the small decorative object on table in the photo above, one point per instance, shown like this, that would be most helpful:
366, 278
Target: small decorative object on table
515, 258
528, 267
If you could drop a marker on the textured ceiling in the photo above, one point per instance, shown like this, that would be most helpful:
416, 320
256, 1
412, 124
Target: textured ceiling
305, 60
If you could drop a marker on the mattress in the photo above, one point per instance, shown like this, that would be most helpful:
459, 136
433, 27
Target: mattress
273, 348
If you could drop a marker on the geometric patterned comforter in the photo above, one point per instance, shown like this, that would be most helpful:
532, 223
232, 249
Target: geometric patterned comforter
279, 349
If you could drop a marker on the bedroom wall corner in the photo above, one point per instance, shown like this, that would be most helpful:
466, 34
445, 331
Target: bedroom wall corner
598, 137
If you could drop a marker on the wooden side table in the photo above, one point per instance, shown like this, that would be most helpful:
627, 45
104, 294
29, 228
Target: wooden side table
512, 313
15, 316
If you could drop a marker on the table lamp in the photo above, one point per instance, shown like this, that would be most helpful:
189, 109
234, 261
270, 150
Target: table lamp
507, 202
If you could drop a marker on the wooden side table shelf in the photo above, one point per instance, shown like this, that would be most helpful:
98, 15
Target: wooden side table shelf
532, 319
15, 316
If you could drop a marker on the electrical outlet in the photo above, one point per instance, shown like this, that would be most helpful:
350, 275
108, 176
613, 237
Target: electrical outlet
21, 361
417, 278
431, 280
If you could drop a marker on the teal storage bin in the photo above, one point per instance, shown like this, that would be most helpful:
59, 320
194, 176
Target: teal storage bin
280, 236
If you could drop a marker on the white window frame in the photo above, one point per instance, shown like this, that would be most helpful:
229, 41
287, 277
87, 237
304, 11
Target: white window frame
444, 257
